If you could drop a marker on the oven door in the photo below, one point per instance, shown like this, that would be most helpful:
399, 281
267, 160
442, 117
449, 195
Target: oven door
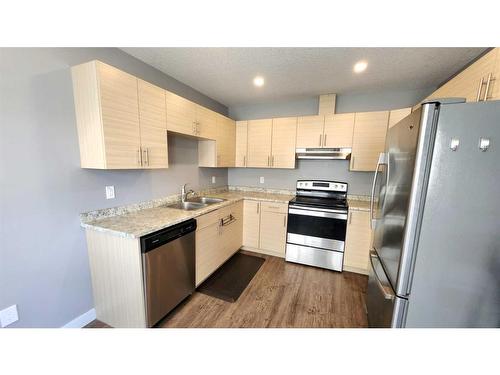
317, 227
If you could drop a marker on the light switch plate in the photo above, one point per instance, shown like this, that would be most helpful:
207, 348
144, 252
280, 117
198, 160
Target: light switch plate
261, 179
110, 192
213, 179
8, 316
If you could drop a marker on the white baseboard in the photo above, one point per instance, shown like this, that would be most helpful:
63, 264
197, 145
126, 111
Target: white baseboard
82, 320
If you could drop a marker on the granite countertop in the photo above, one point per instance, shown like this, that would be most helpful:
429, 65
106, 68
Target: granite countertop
148, 220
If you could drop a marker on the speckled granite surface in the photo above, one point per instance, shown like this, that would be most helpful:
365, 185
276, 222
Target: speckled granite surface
138, 220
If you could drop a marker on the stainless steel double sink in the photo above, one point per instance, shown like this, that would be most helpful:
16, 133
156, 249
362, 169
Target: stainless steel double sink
195, 203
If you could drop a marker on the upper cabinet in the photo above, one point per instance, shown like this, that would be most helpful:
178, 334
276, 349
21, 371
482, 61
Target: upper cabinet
114, 113
397, 115
338, 130
478, 82
221, 151
283, 140
259, 143
241, 144
181, 115
370, 129
310, 131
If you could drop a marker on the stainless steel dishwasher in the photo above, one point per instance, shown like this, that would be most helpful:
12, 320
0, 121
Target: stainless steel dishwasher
168, 261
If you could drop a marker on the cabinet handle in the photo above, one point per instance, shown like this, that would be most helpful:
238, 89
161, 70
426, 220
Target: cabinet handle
487, 87
320, 136
244, 160
139, 156
352, 161
478, 97
284, 221
324, 140
258, 207
145, 153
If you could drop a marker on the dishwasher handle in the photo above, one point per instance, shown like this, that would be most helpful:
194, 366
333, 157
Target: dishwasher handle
166, 235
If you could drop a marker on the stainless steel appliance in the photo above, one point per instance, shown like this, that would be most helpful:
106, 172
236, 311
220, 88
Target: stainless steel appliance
435, 213
342, 153
317, 223
168, 261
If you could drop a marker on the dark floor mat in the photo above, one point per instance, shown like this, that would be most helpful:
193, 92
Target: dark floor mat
230, 280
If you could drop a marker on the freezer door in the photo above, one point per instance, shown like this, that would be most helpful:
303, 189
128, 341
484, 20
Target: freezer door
402, 151
456, 278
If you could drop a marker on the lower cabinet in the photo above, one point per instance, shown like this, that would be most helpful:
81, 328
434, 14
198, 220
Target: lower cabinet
358, 242
264, 227
218, 237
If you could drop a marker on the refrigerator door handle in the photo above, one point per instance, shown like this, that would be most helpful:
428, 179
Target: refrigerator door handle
382, 160
387, 294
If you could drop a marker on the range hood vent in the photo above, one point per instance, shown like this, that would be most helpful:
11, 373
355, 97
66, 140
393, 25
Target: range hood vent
343, 153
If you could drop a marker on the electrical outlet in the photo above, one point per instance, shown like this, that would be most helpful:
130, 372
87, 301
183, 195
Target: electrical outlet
261, 179
110, 192
8, 316
213, 179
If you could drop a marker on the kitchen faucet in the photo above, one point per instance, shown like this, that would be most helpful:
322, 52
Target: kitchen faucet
184, 194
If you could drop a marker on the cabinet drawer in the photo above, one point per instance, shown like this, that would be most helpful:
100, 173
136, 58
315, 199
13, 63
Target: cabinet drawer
281, 208
208, 219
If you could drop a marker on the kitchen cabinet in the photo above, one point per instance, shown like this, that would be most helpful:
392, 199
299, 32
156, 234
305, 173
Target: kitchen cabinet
310, 131
241, 144
221, 151
338, 130
273, 219
259, 143
358, 242
188, 118
370, 129
251, 223
114, 112
264, 227
219, 235
477, 82
153, 125
284, 135
397, 115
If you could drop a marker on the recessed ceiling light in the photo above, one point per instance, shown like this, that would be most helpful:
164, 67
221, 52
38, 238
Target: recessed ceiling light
360, 66
258, 81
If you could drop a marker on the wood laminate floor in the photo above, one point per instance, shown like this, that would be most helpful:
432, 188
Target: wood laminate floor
281, 294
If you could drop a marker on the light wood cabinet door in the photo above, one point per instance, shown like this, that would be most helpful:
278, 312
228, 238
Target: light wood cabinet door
154, 147
310, 131
494, 89
358, 242
284, 136
181, 114
120, 117
259, 143
153, 124
206, 123
472, 81
273, 232
209, 254
339, 130
251, 223
396, 115
241, 144
225, 142
370, 129
232, 232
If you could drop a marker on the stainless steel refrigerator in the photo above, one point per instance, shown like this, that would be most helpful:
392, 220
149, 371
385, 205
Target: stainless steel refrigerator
435, 213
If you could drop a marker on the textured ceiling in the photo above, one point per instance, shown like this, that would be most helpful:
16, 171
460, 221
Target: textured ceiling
225, 74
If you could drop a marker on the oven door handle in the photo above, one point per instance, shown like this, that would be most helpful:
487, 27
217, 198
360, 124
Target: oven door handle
330, 215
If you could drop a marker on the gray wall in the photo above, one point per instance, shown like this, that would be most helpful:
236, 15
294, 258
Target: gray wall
43, 258
359, 182
352, 102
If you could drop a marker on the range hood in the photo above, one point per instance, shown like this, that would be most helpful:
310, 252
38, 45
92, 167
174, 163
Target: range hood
343, 153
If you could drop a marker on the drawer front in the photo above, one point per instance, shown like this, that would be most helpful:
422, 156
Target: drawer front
281, 208
208, 219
